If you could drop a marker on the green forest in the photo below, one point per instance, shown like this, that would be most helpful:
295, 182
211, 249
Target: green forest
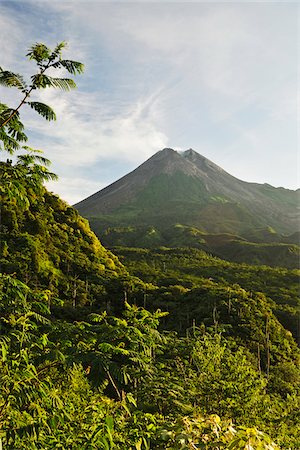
130, 348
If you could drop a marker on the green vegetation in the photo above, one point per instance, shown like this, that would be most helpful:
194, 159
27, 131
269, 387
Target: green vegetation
12, 133
168, 199
190, 279
155, 350
259, 246
110, 382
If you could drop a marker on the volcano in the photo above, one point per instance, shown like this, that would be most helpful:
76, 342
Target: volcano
186, 188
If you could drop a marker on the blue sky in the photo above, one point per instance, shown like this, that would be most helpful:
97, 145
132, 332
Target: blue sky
219, 77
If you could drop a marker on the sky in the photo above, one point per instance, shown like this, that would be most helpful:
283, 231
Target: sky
219, 77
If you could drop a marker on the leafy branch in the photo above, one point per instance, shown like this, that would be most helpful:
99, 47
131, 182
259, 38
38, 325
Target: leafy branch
11, 128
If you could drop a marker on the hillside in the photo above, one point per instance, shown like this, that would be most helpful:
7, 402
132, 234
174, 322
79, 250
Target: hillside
182, 272
49, 246
188, 189
258, 247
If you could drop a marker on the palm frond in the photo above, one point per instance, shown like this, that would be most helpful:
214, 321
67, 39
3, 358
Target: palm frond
10, 79
41, 81
44, 110
73, 67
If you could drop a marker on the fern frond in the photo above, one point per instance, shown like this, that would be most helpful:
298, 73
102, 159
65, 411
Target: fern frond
10, 79
5, 114
41, 81
18, 135
11, 129
73, 67
44, 110
42, 172
41, 307
33, 150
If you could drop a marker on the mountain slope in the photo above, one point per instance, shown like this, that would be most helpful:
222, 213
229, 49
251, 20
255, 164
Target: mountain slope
187, 188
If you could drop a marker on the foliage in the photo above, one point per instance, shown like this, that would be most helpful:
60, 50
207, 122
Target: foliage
192, 269
28, 173
258, 246
11, 128
231, 356
47, 401
48, 245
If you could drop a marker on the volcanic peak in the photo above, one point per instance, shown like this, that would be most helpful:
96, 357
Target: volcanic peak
185, 187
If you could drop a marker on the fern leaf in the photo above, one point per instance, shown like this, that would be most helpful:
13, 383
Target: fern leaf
97, 317
39, 318
32, 157
44, 110
9, 144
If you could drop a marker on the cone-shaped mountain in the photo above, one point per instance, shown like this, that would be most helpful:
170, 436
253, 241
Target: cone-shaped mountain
187, 188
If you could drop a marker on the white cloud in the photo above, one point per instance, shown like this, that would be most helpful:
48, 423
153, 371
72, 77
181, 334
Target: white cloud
94, 137
96, 133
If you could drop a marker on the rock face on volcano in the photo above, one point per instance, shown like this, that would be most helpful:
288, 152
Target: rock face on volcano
187, 188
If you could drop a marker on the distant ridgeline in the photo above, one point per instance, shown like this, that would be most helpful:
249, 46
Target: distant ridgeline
183, 199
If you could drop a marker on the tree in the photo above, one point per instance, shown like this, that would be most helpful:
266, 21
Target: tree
29, 172
11, 128
31, 169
